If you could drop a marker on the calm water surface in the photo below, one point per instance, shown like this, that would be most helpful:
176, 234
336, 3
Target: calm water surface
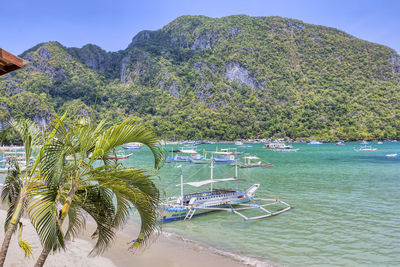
346, 205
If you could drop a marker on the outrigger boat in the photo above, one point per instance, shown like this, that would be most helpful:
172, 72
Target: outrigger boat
184, 155
133, 145
251, 162
118, 156
225, 155
186, 206
280, 147
197, 159
366, 149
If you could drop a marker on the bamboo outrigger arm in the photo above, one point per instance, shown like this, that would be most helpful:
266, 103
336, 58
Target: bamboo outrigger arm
246, 206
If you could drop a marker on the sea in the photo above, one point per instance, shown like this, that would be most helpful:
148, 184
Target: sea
346, 205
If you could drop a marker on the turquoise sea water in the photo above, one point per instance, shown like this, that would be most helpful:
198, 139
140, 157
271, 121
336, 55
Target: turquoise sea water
346, 205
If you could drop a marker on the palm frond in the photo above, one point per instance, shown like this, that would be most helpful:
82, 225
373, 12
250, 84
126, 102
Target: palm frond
25, 246
135, 178
99, 205
48, 138
29, 133
43, 213
129, 131
76, 220
132, 187
148, 217
11, 190
53, 161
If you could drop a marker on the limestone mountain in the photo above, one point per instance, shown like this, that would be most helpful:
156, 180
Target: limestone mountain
223, 78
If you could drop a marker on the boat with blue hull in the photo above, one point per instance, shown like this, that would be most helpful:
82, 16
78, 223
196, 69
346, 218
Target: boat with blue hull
236, 201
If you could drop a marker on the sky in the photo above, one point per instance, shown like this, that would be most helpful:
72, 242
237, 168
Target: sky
112, 24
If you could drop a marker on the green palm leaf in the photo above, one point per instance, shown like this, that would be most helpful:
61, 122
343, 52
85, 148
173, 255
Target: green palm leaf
129, 131
43, 213
11, 190
76, 220
99, 205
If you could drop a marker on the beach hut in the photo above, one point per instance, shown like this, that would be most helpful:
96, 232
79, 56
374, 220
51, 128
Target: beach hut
10, 62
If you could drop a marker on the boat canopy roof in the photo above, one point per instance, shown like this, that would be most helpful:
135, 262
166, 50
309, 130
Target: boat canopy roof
188, 151
222, 153
205, 182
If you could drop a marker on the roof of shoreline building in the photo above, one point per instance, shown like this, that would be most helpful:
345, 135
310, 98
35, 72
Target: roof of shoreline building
10, 62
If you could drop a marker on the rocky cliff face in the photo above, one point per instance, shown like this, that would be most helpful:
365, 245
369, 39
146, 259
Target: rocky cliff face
105, 63
396, 63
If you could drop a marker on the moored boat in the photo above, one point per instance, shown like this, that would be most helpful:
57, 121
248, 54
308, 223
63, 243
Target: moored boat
251, 162
277, 146
366, 149
314, 142
236, 201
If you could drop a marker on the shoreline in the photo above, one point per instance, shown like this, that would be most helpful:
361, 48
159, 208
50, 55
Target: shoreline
166, 249
171, 250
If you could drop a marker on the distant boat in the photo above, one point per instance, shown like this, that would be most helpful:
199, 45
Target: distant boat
251, 162
118, 156
280, 146
199, 161
185, 154
366, 149
245, 146
391, 155
380, 143
340, 143
286, 150
364, 142
239, 143
225, 155
314, 142
132, 146
3, 166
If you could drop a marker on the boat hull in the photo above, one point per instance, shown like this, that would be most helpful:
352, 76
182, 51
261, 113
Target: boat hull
179, 212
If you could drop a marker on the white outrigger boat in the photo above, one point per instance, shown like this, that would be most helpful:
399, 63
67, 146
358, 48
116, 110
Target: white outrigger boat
186, 206
280, 147
366, 149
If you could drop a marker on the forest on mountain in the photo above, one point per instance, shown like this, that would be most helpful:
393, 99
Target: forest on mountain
219, 78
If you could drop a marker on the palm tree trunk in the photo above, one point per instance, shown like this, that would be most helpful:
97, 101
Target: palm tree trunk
42, 258
10, 230
6, 243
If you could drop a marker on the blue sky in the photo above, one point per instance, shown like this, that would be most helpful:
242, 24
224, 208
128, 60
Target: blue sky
112, 24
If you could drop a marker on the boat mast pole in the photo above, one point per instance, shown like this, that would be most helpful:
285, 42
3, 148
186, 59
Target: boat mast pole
236, 165
236, 172
181, 188
212, 173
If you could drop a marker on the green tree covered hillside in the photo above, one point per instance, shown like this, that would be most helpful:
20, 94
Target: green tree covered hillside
224, 78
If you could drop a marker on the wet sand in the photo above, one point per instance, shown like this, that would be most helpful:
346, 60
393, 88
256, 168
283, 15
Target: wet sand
162, 252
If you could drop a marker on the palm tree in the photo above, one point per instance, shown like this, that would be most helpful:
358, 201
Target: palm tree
103, 192
20, 184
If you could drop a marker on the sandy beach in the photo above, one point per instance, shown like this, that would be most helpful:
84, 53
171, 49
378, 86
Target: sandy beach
164, 251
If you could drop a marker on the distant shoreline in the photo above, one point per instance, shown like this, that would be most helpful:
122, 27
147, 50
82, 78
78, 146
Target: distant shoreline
15, 147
